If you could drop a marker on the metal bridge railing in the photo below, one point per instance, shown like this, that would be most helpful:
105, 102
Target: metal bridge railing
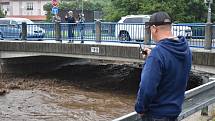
10, 31
113, 32
84, 31
108, 31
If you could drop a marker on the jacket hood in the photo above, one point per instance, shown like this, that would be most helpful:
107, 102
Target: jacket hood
178, 47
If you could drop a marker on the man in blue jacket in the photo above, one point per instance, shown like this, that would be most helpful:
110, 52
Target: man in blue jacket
165, 73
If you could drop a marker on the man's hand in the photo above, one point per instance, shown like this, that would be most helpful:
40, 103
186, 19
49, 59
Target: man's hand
147, 51
142, 114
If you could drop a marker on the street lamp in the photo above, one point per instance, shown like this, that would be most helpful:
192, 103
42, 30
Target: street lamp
209, 2
82, 6
208, 32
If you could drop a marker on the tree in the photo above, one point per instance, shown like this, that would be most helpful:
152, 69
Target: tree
119, 8
2, 14
72, 5
113, 10
47, 7
179, 10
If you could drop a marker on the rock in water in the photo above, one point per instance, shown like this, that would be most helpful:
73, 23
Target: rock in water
3, 92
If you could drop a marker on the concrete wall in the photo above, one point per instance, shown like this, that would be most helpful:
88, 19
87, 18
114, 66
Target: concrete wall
204, 57
106, 52
92, 51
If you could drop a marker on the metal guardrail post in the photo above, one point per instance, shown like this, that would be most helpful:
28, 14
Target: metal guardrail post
57, 31
204, 111
147, 37
24, 31
208, 36
98, 31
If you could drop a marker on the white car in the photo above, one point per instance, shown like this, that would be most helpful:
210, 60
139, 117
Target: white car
132, 27
11, 28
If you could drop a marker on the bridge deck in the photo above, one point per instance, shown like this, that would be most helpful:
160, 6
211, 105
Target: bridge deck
93, 50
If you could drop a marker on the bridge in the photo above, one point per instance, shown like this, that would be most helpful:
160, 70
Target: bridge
90, 50
102, 40
100, 48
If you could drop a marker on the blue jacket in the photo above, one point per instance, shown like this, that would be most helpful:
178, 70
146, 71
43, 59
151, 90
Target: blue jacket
164, 79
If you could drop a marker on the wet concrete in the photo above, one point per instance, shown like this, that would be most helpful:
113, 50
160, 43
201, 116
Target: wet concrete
72, 93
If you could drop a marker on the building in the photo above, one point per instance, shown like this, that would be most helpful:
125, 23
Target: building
31, 9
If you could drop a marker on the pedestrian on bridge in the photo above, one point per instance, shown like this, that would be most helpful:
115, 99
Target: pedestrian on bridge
81, 21
71, 25
56, 18
165, 73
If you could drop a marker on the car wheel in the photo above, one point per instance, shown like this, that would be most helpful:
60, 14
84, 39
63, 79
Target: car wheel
124, 36
1, 36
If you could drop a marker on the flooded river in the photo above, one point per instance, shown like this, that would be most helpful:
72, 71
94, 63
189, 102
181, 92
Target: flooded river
72, 93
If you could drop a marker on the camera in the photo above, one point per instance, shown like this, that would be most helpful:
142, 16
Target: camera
142, 50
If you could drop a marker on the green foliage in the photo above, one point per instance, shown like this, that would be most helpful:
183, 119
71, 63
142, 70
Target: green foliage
47, 8
111, 13
62, 6
113, 10
1, 14
179, 10
119, 8
72, 5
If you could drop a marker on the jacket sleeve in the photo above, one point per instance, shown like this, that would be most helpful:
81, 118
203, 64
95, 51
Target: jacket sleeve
150, 79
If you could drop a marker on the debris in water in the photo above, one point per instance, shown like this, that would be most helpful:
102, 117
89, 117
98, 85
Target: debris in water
3, 92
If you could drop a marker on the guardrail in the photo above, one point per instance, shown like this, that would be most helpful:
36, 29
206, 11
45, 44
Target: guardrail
195, 100
105, 31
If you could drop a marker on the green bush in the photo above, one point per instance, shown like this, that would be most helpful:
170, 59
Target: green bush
2, 14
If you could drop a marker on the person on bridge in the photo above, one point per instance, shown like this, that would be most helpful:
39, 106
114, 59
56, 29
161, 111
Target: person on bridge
81, 21
165, 72
71, 25
56, 18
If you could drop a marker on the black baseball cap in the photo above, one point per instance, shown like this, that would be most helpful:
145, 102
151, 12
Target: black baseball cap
159, 18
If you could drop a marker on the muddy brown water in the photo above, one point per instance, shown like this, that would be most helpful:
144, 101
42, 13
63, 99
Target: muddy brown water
72, 93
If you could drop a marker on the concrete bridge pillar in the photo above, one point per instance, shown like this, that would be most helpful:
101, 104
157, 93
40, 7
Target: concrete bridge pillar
58, 31
98, 31
24, 31
208, 36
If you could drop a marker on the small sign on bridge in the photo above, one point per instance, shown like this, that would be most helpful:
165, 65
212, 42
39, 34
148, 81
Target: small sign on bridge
94, 49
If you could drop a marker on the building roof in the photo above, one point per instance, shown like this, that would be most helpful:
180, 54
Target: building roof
33, 18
